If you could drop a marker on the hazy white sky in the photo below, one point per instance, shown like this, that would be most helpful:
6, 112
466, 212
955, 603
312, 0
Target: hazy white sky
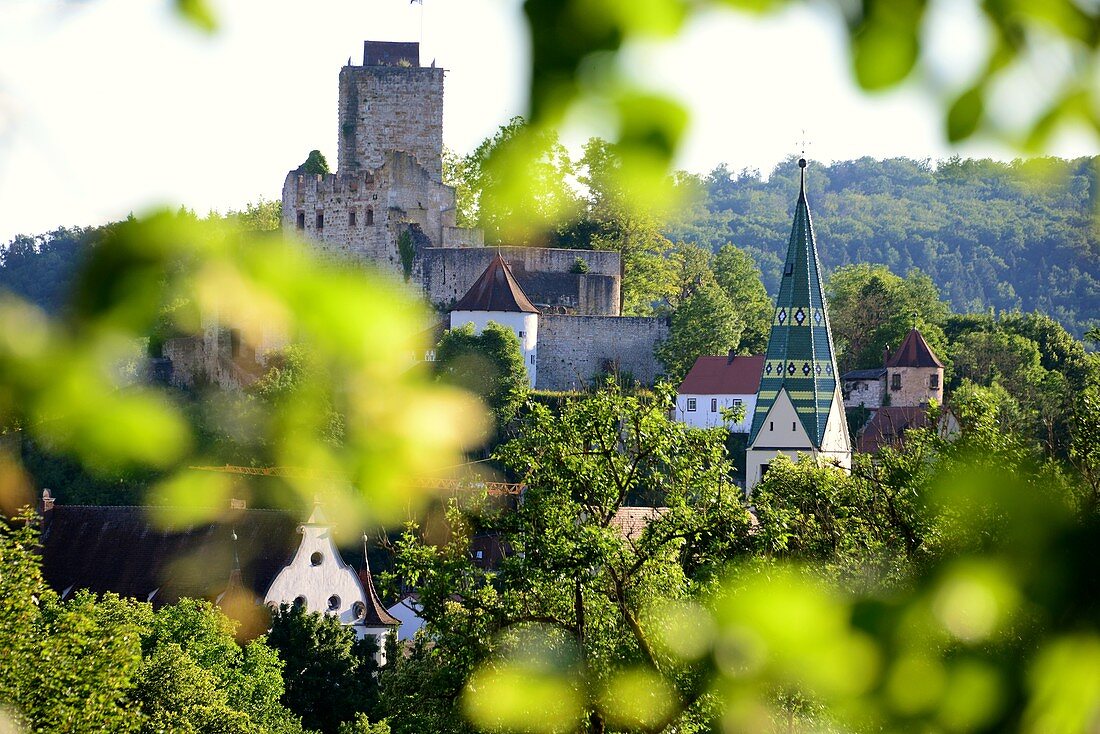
113, 106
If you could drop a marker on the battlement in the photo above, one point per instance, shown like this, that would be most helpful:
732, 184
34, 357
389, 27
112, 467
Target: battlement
330, 184
391, 53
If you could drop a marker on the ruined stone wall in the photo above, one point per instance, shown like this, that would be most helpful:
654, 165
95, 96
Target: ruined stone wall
544, 274
362, 213
575, 349
390, 108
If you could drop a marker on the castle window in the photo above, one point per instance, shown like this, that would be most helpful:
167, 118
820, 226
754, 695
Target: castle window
714, 405
370, 214
934, 381
895, 381
351, 218
301, 220
691, 405
315, 559
234, 342
320, 220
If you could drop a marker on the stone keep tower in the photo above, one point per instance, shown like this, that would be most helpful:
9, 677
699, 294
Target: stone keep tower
388, 188
391, 103
799, 408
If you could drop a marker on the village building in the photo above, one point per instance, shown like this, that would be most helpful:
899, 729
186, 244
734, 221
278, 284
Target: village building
799, 408
896, 397
317, 579
123, 550
715, 385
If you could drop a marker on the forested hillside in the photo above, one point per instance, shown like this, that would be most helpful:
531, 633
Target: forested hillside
1018, 235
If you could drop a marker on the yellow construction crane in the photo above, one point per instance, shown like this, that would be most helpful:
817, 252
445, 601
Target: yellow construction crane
496, 489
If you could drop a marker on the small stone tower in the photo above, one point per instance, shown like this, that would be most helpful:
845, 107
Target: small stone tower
497, 297
391, 103
799, 407
914, 374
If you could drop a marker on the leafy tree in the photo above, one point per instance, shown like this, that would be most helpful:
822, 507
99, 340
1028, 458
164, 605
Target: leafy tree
516, 205
489, 365
706, 323
315, 163
739, 277
573, 569
871, 310
330, 676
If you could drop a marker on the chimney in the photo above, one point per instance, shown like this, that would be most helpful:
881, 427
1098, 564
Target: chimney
47, 501
885, 355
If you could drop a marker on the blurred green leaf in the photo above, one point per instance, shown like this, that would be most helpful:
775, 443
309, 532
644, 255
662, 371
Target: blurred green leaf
198, 13
885, 42
965, 114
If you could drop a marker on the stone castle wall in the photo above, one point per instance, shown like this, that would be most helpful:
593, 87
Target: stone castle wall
573, 350
360, 215
390, 108
544, 274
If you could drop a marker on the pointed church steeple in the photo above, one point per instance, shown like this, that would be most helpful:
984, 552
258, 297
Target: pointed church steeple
800, 372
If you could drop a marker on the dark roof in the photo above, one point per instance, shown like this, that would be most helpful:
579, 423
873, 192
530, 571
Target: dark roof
888, 424
724, 376
496, 290
799, 357
122, 550
914, 352
376, 614
872, 374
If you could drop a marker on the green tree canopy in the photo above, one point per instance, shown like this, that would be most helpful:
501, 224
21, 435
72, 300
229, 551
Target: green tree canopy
489, 365
739, 277
315, 163
706, 323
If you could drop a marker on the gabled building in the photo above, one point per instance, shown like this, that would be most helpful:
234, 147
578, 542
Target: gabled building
715, 384
799, 407
318, 579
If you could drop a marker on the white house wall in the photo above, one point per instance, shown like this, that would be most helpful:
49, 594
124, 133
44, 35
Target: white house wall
524, 325
704, 417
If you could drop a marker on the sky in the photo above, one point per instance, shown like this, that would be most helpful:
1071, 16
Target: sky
109, 107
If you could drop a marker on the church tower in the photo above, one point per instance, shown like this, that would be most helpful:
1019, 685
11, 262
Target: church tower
799, 407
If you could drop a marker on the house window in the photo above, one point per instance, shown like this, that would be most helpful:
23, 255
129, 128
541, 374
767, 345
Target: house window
737, 402
479, 555
521, 335
895, 381
320, 220
532, 359
351, 218
370, 213
301, 220
764, 469
771, 425
691, 405
934, 381
714, 405
793, 426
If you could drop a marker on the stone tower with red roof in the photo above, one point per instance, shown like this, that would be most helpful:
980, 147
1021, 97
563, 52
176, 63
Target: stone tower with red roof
914, 374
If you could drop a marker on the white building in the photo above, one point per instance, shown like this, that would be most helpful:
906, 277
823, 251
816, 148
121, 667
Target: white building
715, 384
318, 579
496, 297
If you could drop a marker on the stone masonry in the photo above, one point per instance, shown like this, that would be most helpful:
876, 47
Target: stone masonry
574, 350
544, 274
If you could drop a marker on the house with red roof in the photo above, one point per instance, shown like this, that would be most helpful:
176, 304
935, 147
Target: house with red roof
715, 384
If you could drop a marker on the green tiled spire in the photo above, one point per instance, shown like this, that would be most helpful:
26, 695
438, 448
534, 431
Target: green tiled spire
800, 348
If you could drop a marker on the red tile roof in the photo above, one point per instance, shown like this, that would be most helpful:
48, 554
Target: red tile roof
496, 290
632, 521
724, 376
914, 352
